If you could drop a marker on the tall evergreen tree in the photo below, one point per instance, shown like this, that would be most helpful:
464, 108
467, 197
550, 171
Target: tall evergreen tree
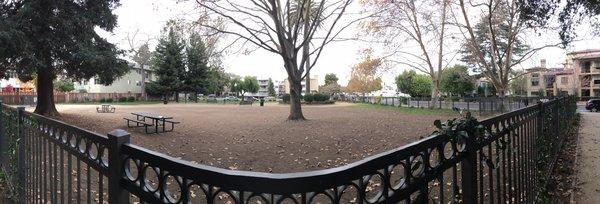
196, 78
43, 38
168, 63
271, 88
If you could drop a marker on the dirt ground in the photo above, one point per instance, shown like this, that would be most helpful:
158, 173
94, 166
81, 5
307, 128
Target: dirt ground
588, 165
257, 138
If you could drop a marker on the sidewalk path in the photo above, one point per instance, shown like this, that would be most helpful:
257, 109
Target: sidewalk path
588, 167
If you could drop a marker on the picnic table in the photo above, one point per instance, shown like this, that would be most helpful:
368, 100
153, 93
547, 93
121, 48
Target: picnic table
159, 122
105, 108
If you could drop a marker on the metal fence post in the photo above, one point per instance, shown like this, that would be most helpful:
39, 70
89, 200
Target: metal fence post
21, 168
469, 170
116, 193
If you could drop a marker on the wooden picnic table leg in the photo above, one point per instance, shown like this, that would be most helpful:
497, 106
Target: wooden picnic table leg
156, 125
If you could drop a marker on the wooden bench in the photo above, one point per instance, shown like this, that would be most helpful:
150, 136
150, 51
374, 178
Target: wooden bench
245, 103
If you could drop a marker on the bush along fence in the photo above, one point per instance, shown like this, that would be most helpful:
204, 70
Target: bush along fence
481, 105
498, 160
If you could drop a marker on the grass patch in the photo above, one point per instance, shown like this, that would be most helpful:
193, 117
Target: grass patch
408, 110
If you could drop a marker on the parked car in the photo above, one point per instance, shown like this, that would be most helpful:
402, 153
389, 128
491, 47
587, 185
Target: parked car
231, 98
270, 98
593, 105
250, 98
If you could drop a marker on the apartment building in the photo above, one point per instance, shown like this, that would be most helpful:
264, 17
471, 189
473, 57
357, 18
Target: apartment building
16, 84
314, 85
263, 90
550, 81
129, 83
585, 65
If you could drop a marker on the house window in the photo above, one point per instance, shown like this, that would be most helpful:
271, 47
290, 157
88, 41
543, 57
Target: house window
138, 83
535, 82
564, 80
534, 93
596, 81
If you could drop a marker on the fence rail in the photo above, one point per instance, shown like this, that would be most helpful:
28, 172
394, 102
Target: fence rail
504, 160
481, 105
31, 98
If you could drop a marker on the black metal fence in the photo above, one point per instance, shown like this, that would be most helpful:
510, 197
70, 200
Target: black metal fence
481, 105
56, 162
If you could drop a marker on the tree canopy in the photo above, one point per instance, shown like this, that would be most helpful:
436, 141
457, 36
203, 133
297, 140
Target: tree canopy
421, 86
404, 81
196, 76
46, 38
570, 14
364, 76
331, 78
250, 84
271, 88
413, 84
168, 63
457, 81
64, 85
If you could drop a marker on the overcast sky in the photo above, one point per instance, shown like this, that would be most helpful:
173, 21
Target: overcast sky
149, 17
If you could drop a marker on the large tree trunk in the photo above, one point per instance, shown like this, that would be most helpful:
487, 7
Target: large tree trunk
306, 49
435, 94
295, 103
45, 92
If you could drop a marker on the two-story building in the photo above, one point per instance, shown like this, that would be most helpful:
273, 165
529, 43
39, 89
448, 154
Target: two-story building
129, 83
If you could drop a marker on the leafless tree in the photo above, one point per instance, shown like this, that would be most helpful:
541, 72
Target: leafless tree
271, 25
413, 24
140, 54
498, 47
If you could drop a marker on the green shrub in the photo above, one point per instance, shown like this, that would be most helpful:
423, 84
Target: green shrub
122, 99
131, 99
103, 100
285, 98
109, 100
309, 98
321, 97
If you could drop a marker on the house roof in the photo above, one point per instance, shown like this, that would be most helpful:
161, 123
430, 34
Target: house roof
584, 51
589, 56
